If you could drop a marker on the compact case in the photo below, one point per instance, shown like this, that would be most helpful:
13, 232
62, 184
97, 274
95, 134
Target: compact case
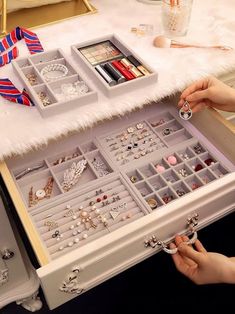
147, 177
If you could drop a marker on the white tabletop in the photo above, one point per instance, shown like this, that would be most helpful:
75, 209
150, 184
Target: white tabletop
23, 129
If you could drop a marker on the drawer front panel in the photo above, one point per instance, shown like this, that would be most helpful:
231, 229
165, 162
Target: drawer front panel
62, 280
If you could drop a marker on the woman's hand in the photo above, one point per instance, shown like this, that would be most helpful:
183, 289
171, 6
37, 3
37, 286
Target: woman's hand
209, 92
200, 266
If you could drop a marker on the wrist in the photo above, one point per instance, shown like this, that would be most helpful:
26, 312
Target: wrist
232, 99
229, 274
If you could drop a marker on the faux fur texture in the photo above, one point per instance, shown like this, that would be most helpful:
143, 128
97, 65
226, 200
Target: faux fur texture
23, 129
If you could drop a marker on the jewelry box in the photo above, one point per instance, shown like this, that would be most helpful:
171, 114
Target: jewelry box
98, 202
106, 56
53, 83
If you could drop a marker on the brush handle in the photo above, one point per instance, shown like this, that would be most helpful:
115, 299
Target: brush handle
175, 44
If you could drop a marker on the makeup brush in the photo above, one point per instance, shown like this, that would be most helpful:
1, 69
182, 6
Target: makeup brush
164, 42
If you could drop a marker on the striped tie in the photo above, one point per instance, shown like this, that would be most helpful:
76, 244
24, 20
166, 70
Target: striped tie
31, 40
11, 93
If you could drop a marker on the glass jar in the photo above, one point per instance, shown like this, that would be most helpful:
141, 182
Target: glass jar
176, 16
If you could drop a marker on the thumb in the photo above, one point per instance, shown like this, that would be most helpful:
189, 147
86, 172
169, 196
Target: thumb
197, 96
189, 252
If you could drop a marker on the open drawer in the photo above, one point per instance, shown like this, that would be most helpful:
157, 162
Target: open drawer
226, 118
128, 195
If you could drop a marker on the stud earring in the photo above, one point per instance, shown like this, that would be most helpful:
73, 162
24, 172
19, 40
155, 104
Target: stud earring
198, 167
180, 192
160, 168
209, 162
129, 215
51, 224
105, 203
167, 198
57, 235
139, 126
167, 131
114, 213
92, 205
152, 203
116, 198
130, 129
172, 160
71, 213
100, 191
133, 179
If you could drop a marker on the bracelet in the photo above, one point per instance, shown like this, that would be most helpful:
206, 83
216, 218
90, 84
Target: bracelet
28, 170
54, 72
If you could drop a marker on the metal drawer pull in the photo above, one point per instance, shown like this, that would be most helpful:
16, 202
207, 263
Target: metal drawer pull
153, 241
7, 254
4, 273
71, 283
4, 276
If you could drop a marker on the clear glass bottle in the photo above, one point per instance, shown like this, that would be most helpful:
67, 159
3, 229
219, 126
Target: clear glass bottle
176, 16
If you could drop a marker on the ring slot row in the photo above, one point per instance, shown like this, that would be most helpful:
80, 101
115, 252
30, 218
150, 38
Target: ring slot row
109, 207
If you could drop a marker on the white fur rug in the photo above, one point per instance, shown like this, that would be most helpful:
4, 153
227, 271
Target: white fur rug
23, 129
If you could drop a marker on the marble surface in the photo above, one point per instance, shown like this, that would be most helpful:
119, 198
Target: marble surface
23, 129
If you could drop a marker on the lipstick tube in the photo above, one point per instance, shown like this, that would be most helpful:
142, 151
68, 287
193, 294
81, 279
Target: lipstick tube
114, 73
130, 67
139, 66
127, 74
105, 75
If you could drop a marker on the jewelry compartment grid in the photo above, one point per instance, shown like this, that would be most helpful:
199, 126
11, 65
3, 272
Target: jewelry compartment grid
97, 57
42, 181
53, 83
136, 140
82, 217
175, 174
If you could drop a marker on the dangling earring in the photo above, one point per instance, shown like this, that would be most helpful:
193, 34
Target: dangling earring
185, 111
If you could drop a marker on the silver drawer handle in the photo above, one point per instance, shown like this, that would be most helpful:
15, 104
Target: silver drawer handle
71, 284
173, 251
4, 276
7, 254
4, 273
153, 241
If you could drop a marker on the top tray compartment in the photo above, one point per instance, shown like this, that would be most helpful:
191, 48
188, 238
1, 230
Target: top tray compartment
116, 68
53, 83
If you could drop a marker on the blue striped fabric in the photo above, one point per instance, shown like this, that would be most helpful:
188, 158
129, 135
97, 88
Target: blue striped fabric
31, 40
11, 93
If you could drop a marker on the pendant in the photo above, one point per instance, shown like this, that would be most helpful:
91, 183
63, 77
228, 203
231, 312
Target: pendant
185, 112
